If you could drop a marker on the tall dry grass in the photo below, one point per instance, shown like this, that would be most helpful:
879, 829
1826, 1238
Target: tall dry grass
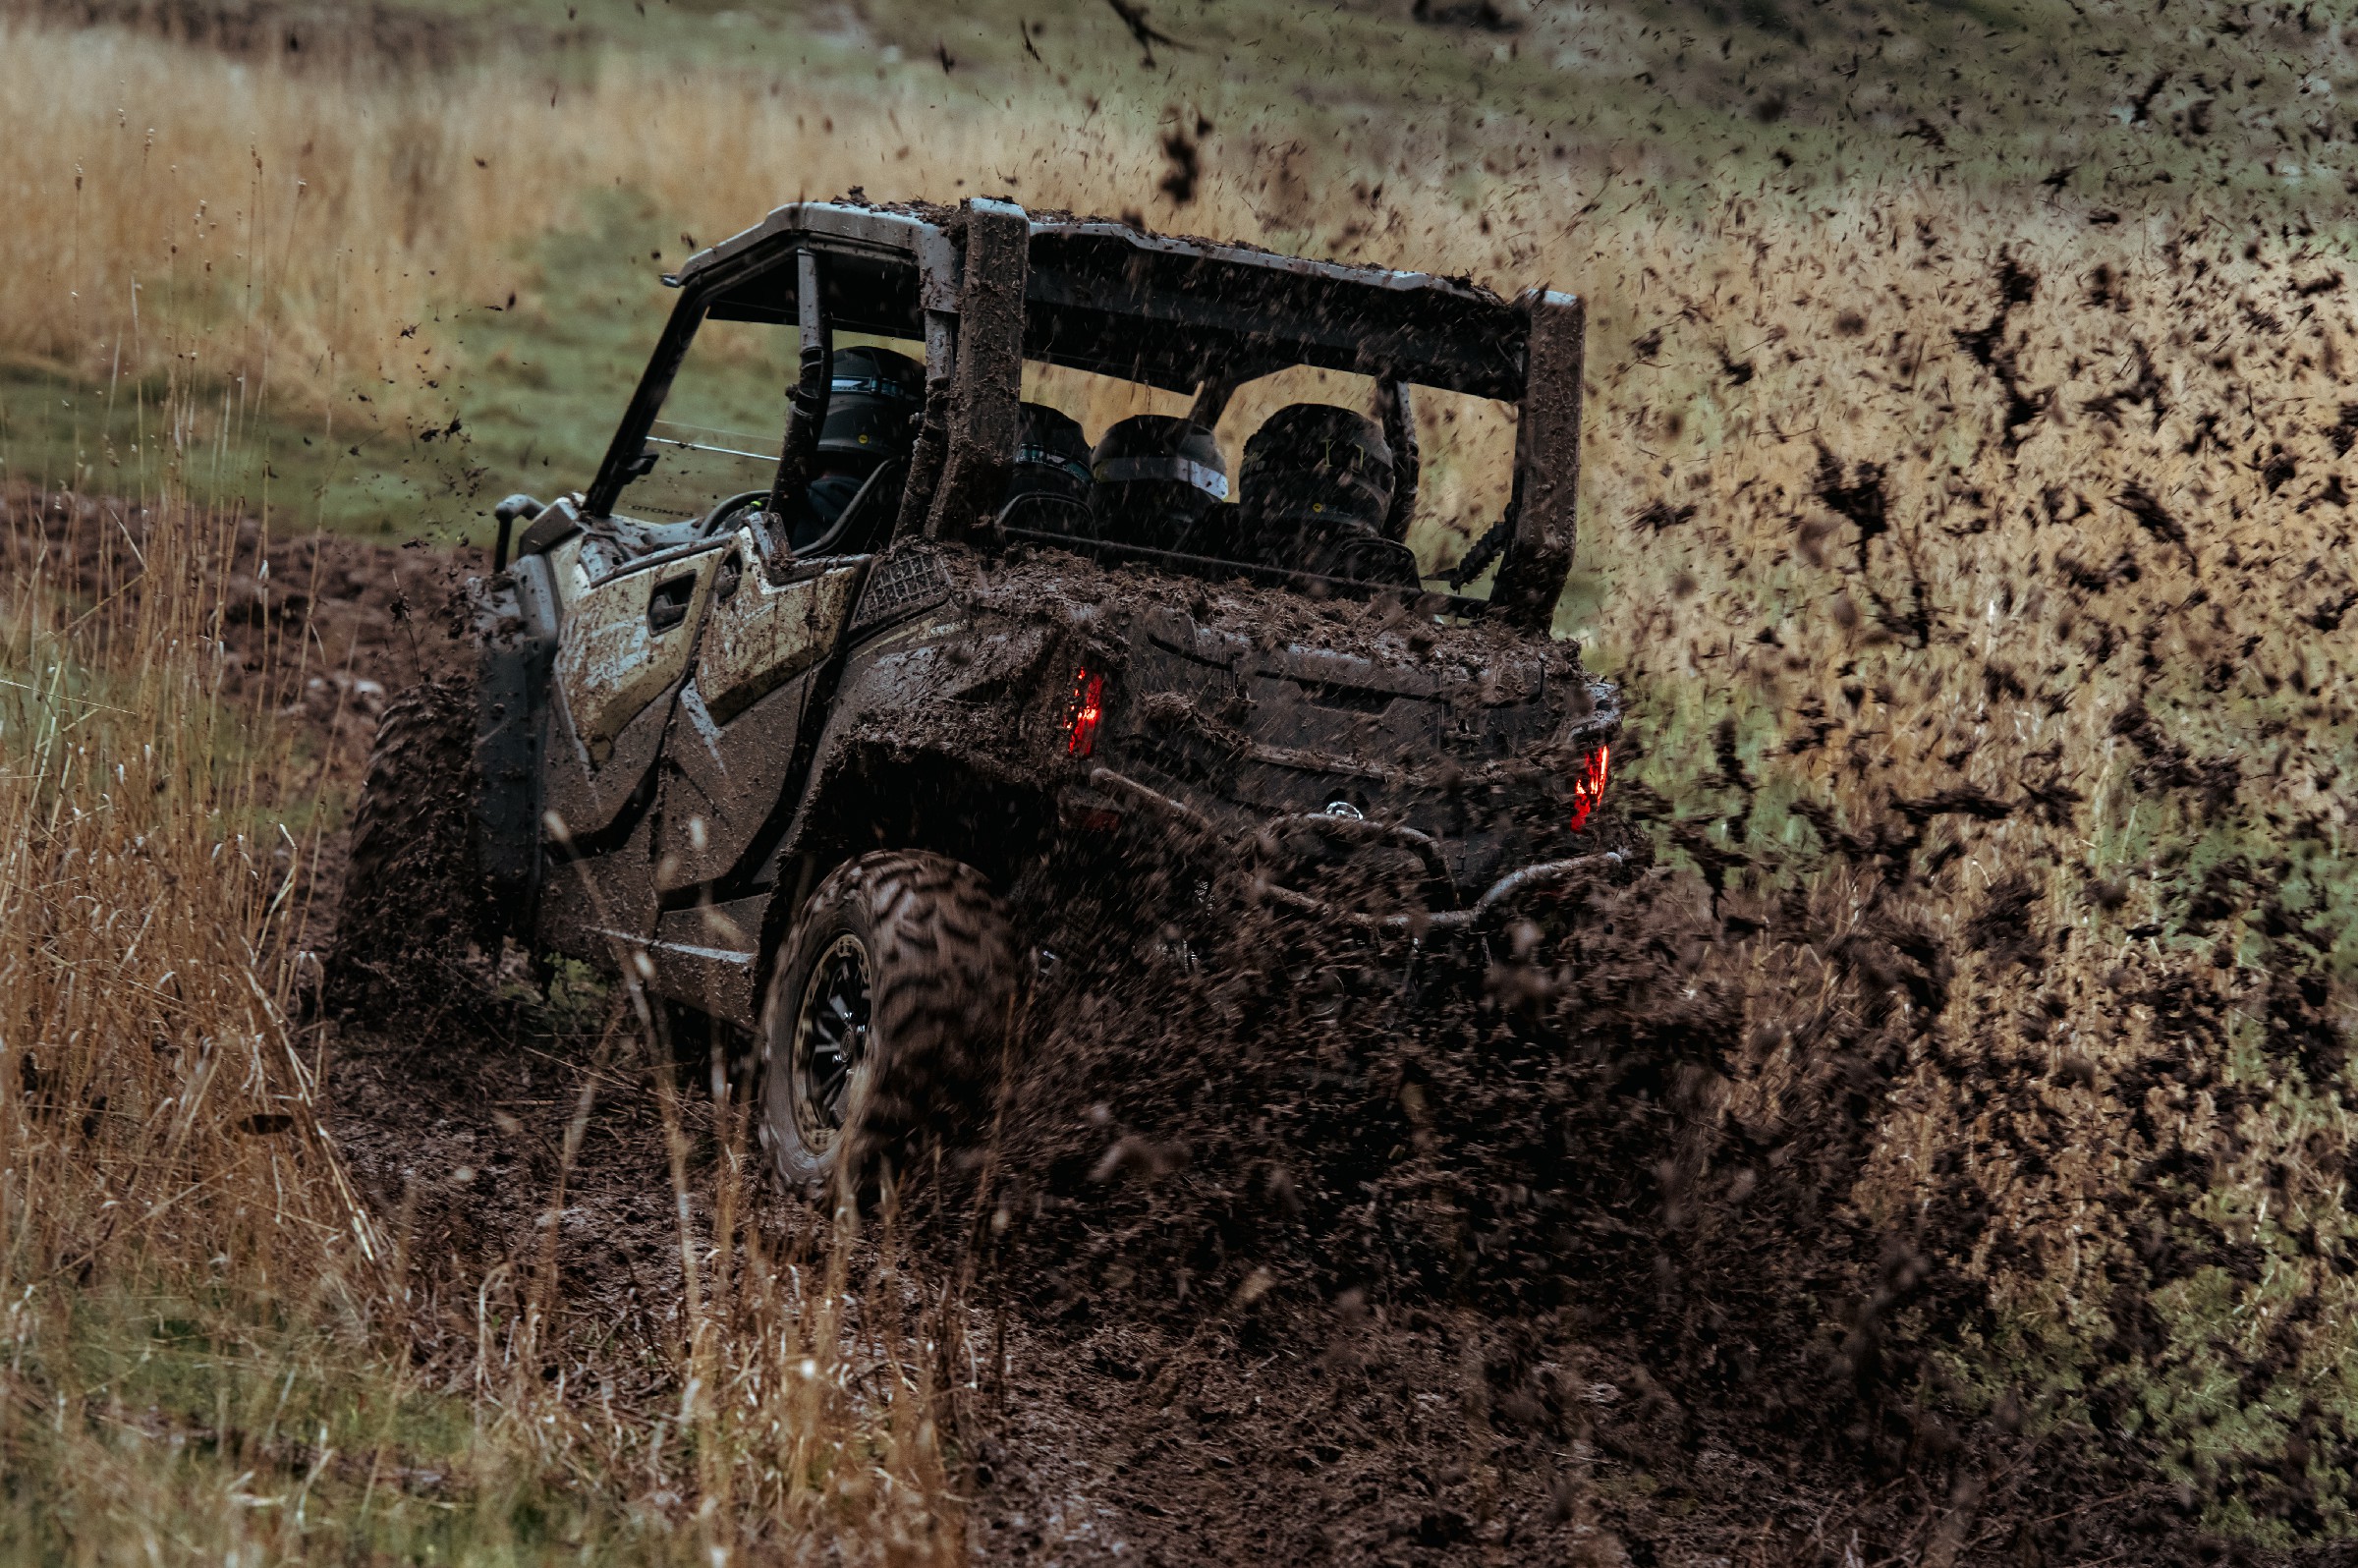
305, 220
1975, 561
211, 1349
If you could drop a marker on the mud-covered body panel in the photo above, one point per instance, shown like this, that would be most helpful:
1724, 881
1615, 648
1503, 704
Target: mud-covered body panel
761, 634
740, 727
1462, 735
1223, 725
935, 687
721, 783
1247, 704
627, 637
926, 699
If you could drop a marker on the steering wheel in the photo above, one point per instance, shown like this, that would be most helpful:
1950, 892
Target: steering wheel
718, 520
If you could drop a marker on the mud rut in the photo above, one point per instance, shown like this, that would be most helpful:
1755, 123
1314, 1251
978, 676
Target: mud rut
1257, 1422
1287, 1270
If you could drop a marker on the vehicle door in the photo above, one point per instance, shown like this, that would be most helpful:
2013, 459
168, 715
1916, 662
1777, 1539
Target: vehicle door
637, 586
767, 643
626, 644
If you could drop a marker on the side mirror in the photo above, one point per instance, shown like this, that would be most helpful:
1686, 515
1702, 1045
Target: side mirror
639, 467
507, 512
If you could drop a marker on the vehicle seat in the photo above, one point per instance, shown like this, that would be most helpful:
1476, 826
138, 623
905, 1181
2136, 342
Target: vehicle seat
1157, 482
1318, 490
1048, 489
867, 519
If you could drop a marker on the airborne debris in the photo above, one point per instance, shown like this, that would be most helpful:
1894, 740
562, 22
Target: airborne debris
1134, 17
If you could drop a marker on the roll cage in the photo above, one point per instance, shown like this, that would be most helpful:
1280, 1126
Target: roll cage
987, 286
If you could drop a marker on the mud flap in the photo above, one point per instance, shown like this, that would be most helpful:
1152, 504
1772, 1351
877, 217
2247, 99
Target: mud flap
514, 654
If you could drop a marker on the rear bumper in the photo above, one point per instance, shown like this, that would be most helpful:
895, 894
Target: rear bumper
1484, 913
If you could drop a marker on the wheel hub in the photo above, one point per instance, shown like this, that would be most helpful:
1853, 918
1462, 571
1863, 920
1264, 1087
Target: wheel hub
831, 1042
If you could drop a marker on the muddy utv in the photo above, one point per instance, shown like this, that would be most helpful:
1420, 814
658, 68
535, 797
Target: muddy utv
820, 729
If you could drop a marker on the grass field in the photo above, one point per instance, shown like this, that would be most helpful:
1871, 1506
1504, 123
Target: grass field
1966, 458
211, 1349
327, 245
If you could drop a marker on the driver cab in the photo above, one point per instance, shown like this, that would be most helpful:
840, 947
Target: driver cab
702, 599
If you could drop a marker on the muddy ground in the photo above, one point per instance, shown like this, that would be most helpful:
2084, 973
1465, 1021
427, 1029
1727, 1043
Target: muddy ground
1286, 1264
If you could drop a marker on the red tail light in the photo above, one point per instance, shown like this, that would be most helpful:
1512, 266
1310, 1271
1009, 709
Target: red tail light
1088, 708
1588, 785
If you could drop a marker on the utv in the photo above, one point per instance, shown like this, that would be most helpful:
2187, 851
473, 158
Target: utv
818, 733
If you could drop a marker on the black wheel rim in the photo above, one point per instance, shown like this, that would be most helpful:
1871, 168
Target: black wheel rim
830, 1043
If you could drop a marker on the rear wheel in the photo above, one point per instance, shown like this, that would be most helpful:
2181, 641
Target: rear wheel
886, 1014
414, 918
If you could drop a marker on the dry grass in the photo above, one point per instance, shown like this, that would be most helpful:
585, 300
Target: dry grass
301, 222
2059, 581
211, 1350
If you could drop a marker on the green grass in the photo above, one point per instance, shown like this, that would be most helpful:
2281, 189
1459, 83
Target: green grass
519, 395
205, 1427
355, 474
547, 372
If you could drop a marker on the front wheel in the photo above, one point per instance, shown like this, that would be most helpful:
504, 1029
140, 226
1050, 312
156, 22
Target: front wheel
886, 1013
416, 930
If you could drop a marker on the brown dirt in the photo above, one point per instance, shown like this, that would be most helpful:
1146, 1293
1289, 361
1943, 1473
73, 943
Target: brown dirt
1428, 1281
1275, 1262
1290, 1267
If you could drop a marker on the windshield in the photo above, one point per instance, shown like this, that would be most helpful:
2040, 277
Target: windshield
722, 424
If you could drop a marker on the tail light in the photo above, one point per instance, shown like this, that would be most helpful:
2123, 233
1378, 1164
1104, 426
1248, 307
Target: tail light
1088, 708
1588, 785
